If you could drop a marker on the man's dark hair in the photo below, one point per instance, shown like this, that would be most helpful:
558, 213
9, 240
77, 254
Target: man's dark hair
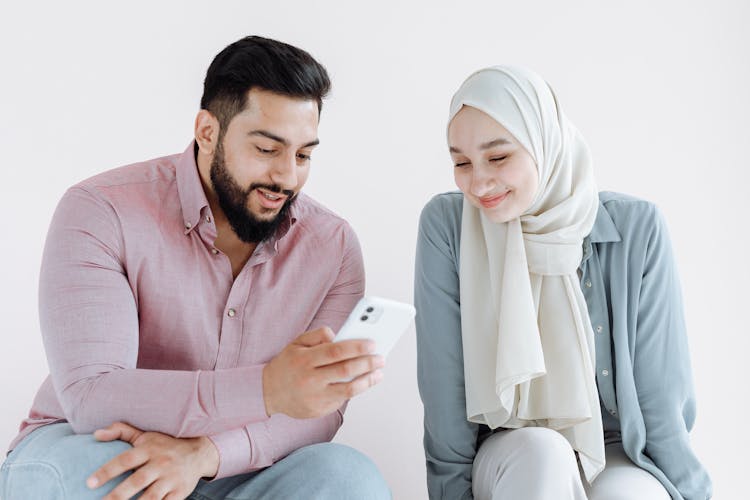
267, 64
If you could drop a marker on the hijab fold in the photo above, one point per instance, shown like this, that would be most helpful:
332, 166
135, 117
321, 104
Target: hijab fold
527, 338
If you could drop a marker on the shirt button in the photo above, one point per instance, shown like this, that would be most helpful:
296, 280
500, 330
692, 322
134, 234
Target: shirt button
604, 372
613, 412
188, 225
214, 251
231, 313
208, 218
588, 283
599, 329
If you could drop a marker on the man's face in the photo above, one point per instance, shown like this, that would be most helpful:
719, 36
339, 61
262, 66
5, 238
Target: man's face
263, 160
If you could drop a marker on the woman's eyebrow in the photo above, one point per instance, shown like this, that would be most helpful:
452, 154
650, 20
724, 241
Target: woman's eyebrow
495, 142
500, 141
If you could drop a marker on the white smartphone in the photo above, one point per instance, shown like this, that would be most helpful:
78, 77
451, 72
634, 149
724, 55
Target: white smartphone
381, 320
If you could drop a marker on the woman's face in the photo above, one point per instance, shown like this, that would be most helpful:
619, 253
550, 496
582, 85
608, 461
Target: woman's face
493, 170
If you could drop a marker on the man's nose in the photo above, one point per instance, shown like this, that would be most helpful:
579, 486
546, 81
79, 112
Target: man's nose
284, 172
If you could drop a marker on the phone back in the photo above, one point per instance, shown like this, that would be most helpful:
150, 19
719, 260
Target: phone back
379, 319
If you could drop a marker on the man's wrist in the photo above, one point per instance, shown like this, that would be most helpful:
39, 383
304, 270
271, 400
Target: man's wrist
267, 400
210, 457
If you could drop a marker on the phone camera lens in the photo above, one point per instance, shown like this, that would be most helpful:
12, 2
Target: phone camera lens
370, 309
364, 317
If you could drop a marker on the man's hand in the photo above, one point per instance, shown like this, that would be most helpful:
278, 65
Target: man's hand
305, 379
163, 467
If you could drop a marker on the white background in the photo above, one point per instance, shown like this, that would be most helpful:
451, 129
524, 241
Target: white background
659, 89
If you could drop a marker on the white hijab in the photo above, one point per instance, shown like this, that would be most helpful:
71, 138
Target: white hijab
523, 316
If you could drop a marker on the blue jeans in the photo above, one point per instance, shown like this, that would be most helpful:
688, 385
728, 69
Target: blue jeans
53, 463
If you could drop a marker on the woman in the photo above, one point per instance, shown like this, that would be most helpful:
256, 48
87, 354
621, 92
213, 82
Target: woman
553, 359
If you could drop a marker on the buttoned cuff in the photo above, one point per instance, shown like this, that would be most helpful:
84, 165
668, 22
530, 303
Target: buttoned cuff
235, 452
239, 453
237, 395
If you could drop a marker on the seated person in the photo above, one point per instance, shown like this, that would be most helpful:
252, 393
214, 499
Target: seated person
550, 332
188, 305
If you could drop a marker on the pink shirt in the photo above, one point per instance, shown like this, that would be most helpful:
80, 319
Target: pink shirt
143, 323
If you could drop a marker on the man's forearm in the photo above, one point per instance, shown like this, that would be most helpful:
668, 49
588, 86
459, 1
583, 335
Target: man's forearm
262, 444
178, 403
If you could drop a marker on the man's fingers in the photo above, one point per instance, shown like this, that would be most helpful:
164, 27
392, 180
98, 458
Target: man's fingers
359, 385
351, 368
334, 352
134, 484
123, 462
159, 490
316, 337
118, 430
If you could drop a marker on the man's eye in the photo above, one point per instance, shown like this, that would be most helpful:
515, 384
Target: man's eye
462, 164
264, 151
498, 158
304, 157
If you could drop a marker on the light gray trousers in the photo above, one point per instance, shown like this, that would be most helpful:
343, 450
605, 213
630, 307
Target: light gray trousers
535, 463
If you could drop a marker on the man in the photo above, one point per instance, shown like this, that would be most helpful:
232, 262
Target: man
174, 294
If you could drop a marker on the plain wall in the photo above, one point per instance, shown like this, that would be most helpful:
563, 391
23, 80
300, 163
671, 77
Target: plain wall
659, 89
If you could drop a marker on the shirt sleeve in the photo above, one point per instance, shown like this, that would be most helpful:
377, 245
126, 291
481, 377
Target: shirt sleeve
662, 370
449, 438
348, 288
261, 444
89, 323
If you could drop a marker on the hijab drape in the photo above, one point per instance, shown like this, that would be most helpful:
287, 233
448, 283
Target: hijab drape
527, 338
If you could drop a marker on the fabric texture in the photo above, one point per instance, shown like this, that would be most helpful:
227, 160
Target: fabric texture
535, 463
632, 291
528, 344
53, 462
531, 463
623, 480
144, 322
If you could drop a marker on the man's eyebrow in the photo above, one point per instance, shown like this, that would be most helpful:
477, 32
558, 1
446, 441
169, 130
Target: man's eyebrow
281, 140
273, 137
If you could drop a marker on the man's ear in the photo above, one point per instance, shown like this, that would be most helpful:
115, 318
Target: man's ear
206, 132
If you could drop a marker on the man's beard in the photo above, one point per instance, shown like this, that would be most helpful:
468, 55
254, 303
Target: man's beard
233, 201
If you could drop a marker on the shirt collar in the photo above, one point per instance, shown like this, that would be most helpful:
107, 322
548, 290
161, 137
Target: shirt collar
604, 229
190, 189
195, 204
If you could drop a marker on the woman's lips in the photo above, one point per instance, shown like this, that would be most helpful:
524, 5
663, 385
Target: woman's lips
493, 201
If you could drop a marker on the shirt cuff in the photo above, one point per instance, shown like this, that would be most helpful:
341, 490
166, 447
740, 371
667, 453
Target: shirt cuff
235, 452
239, 453
238, 394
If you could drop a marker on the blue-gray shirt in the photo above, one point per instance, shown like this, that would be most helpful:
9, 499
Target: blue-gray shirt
630, 283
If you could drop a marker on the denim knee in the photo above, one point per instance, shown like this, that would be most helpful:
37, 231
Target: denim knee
343, 472
30, 480
53, 462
